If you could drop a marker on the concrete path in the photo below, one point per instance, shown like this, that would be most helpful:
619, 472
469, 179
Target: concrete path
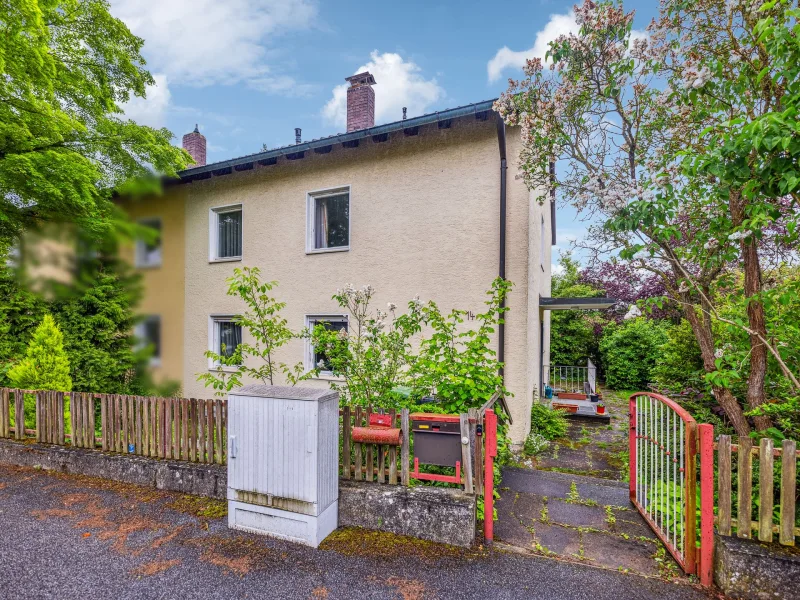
570, 502
75, 537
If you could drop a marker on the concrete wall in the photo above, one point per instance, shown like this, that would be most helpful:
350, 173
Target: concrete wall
436, 514
751, 570
164, 284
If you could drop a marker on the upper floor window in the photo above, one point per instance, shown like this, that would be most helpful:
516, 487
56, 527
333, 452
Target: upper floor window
328, 220
148, 334
148, 253
225, 233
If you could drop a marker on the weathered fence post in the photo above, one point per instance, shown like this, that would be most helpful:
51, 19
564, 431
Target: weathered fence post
765, 482
788, 491
706, 434
724, 484
405, 448
744, 504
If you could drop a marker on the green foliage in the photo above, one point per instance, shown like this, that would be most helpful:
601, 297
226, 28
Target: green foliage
535, 444
573, 336
376, 363
265, 326
67, 68
679, 365
460, 363
97, 320
549, 423
630, 352
46, 365
373, 355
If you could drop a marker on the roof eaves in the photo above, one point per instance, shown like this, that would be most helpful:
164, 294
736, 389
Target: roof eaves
453, 113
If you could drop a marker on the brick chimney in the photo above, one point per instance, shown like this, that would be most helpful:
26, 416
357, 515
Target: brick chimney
195, 144
360, 101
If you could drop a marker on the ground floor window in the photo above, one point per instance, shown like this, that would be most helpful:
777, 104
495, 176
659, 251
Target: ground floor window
148, 335
315, 357
225, 335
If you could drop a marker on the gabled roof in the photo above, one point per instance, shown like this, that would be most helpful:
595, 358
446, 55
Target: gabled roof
323, 145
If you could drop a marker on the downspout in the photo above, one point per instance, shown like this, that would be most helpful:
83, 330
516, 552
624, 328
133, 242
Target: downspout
501, 329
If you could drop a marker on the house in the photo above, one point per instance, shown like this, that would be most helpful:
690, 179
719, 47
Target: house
422, 206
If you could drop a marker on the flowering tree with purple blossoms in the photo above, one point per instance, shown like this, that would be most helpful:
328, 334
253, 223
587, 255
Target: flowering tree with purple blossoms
651, 134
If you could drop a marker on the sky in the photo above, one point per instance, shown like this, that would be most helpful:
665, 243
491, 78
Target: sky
248, 72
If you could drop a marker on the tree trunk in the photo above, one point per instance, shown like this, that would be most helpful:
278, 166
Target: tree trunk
756, 395
724, 397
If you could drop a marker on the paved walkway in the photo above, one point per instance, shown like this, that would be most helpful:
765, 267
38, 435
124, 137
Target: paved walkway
572, 502
74, 537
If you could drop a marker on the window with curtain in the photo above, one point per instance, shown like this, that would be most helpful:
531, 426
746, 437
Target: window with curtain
227, 232
331, 221
316, 357
148, 253
227, 336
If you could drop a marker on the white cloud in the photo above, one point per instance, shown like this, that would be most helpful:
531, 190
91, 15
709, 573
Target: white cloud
510, 59
399, 83
151, 110
203, 42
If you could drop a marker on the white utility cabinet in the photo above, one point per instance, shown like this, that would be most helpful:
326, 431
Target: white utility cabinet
283, 467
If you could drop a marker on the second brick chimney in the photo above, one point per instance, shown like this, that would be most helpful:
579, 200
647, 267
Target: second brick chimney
360, 101
195, 144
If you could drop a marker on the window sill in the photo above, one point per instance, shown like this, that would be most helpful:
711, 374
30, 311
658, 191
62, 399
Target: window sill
148, 266
217, 369
326, 250
224, 260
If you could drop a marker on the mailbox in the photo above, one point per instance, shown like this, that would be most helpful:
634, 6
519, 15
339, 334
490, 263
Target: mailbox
437, 439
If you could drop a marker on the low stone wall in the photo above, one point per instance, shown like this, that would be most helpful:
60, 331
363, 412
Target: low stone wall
187, 478
751, 570
430, 513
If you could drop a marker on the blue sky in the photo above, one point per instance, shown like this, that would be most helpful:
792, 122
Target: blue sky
250, 71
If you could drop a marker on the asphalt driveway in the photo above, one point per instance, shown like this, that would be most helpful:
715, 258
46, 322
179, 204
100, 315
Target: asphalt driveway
75, 537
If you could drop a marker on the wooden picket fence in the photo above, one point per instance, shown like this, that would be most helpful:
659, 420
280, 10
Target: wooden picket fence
766, 454
390, 464
187, 429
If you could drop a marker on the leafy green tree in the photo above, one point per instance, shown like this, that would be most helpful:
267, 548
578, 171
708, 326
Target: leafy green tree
630, 352
266, 327
45, 366
67, 69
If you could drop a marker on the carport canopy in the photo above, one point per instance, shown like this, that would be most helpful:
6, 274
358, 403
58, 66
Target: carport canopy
576, 303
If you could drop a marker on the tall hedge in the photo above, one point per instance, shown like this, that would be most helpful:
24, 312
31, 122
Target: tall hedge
630, 352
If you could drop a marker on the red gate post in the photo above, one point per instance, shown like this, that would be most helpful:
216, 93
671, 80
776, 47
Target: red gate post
632, 448
490, 437
706, 434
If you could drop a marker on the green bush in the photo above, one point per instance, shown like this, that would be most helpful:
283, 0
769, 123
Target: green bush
45, 366
679, 365
630, 352
550, 424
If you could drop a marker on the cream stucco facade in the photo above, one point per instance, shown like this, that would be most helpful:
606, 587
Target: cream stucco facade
424, 220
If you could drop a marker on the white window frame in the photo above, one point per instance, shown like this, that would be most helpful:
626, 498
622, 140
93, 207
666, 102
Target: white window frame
139, 332
213, 340
311, 198
141, 247
213, 232
308, 360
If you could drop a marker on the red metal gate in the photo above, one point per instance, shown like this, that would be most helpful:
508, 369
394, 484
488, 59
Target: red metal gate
663, 476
